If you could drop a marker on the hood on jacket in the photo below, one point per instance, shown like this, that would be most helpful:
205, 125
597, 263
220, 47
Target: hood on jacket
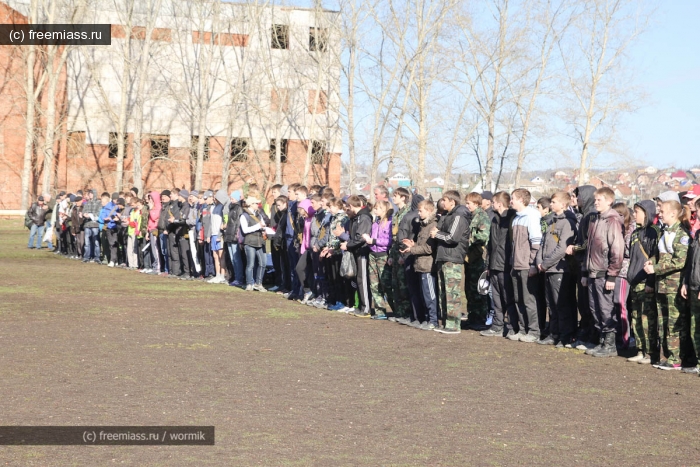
155, 196
308, 207
415, 201
586, 198
649, 208
222, 197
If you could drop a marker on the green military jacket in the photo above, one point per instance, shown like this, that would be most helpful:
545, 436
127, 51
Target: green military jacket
673, 249
479, 232
395, 221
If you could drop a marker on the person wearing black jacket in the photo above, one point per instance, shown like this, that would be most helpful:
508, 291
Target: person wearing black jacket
585, 199
231, 238
360, 224
452, 237
163, 229
500, 254
179, 237
409, 227
278, 242
641, 302
173, 226
277, 250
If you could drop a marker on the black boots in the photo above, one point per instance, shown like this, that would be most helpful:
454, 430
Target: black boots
609, 349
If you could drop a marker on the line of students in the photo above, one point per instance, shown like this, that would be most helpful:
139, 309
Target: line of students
577, 255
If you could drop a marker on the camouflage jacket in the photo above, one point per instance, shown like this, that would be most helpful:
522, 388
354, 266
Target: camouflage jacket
396, 220
334, 242
673, 249
479, 232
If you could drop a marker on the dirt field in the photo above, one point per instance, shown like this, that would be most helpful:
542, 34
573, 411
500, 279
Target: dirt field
289, 385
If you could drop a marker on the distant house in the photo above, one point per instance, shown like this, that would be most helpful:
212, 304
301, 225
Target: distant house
399, 179
651, 170
561, 176
679, 175
438, 181
537, 180
598, 182
623, 177
663, 178
623, 191
643, 180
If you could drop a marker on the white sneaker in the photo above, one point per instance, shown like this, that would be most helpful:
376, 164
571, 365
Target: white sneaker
259, 288
213, 280
307, 296
249, 288
111, 264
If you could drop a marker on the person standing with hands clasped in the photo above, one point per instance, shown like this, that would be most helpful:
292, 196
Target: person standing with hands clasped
690, 290
673, 250
604, 256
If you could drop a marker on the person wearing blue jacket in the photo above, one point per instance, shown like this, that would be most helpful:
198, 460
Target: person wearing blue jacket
108, 209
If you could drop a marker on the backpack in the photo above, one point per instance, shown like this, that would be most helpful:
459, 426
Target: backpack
28, 221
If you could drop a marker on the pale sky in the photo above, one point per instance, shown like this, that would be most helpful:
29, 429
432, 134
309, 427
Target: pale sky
666, 130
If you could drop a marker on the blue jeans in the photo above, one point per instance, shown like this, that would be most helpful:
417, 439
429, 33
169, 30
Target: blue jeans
252, 254
234, 251
164, 251
47, 226
38, 232
92, 243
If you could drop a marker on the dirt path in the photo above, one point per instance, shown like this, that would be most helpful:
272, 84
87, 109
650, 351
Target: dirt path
289, 385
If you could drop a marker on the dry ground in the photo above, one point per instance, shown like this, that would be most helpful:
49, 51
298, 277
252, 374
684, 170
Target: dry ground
288, 385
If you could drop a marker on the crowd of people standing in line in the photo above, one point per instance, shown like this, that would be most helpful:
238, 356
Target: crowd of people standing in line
574, 270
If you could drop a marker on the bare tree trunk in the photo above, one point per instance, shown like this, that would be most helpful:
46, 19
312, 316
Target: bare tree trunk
139, 101
30, 114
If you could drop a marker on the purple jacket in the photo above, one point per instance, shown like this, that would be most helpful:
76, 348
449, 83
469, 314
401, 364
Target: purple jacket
382, 236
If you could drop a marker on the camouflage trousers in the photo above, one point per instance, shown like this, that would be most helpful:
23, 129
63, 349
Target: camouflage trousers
477, 304
645, 321
399, 300
450, 277
673, 315
694, 316
379, 282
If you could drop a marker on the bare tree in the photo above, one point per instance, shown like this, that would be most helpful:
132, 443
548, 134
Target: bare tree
32, 93
597, 71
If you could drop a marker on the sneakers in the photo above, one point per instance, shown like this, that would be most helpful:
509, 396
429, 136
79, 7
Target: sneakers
235, 284
111, 264
515, 337
403, 321
361, 314
274, 289
529, 338
444, 330
549, 340
608, 349
692, 370
666, 365
379, 317
249, 288
337, 307
393, 319
259, 288
645, 361
347, 310
636, 358
491, 333
307, 296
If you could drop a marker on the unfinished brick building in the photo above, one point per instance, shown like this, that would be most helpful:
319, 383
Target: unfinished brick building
272, 81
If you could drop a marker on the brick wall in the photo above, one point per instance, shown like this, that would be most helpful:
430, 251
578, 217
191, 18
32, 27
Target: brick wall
79, 165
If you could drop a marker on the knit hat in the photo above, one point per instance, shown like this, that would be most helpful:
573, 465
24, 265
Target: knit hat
115, 196
284, 191
184, 193
165, 193
252, 201
194, 193
208, 194
71, 198
487, 195
121, 202
236, 195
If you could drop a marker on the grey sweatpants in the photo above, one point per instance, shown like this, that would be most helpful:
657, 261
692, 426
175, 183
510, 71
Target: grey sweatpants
525, 295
